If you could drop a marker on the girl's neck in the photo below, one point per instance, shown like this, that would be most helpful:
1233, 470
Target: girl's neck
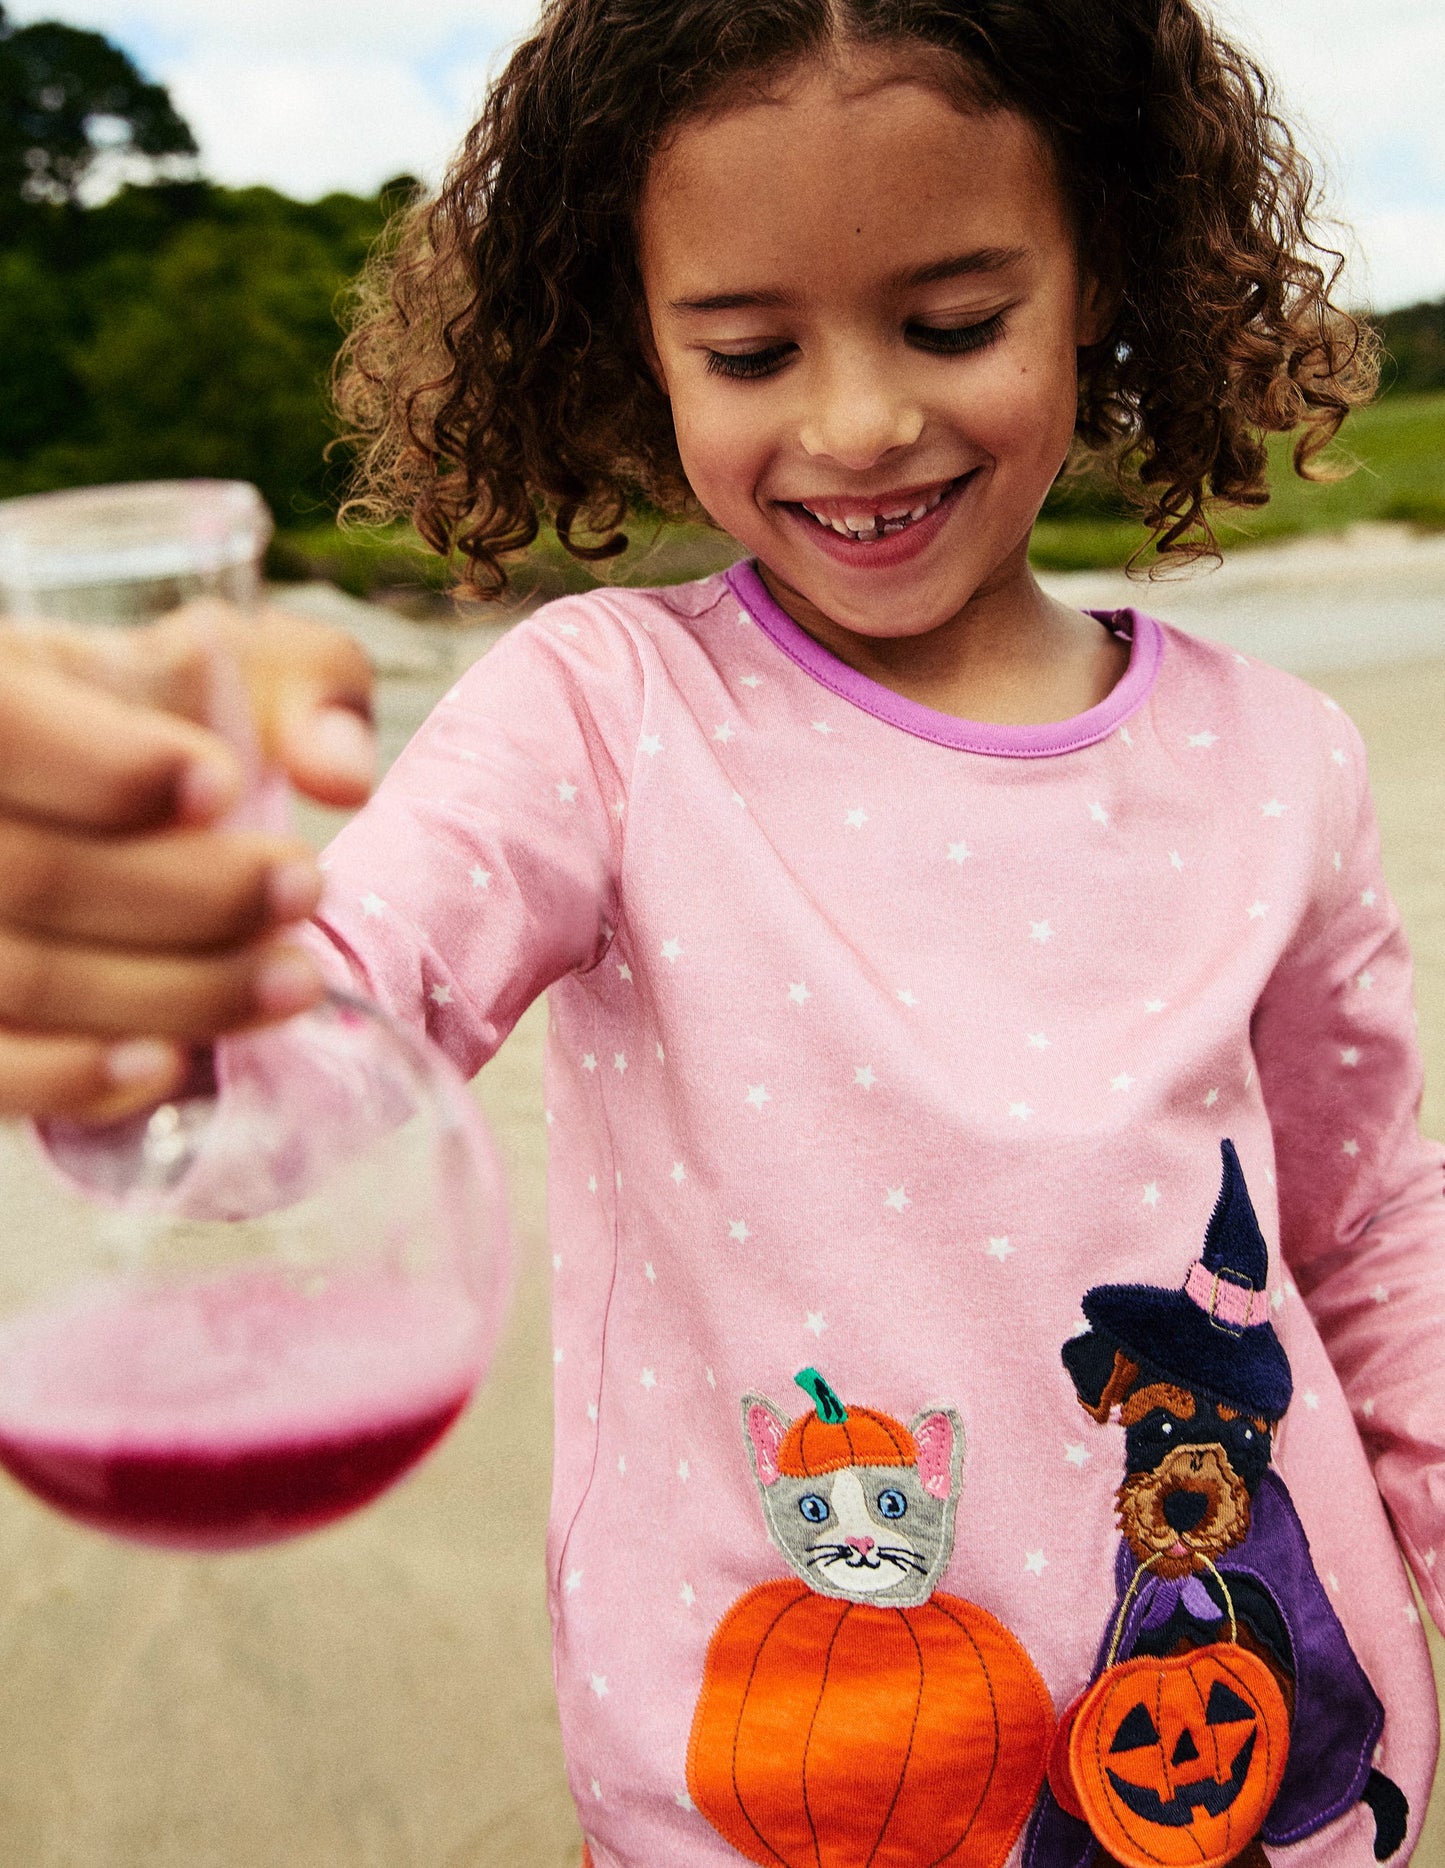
1012, 656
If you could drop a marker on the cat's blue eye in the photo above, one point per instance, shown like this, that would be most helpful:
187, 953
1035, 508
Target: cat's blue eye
813, 1508
891, 1503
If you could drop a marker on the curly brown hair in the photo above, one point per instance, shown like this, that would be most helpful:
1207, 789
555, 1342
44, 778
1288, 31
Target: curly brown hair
494, 372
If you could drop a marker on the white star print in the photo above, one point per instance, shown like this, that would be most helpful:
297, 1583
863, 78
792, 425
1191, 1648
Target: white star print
592, 1412
1211, 1097
1151, 1194
648, 1378
1098, 813
959, 852
1380, 1294
1367, 899
1310, 1398
1153, 1005
568, 629
711, 1378
574, 1582
1258, 910
619, 1062
591, 1183
1271, 808
557, 1356
1000, 1248
624, 972
556, 1261
683, 1800
1122, 1082
619, 810
650, 744
757, 1095
1021, 1110
372, 905
816, 1322
1412, 1614
863, 1076
649, 1272
481, 878
724, 732
566, 794
688, 1594
672, 951
1366, 980
906, 997
589, 1060
1040, 931
897, 1199
551, 1118
1350, 1056
679, 1172
1126, 736
660, 1058
1338, 755
440, 995
822, 726
856, 818
684, 1471
740, 801
596, 1790
1176, 861
752, 681
1077, 1454
1367, 1408
1037, 1041
1278, 1300
599, 1685
798, 994
622, 1465
737, 1229
1035, 1563
1205, 739
1338, 861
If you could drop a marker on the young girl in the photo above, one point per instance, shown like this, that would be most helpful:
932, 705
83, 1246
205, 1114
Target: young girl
995, 1005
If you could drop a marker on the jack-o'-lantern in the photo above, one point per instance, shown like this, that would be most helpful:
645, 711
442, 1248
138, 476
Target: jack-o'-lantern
1176, 1761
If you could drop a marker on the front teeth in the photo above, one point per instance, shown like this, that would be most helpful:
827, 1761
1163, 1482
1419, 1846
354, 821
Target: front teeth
868, 527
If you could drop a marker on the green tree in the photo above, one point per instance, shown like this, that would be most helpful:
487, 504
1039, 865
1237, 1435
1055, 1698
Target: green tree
65, 97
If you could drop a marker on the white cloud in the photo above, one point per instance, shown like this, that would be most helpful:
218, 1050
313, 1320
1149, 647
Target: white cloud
316, 94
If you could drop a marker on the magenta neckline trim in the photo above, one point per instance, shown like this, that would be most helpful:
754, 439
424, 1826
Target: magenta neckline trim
946, 729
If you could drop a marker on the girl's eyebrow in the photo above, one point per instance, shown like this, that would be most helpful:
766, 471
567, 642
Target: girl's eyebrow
984, 259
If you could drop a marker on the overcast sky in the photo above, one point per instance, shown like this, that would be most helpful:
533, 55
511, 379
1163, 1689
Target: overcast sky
318, 94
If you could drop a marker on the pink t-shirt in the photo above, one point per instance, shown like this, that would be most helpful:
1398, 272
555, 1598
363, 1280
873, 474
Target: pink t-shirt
879, 1039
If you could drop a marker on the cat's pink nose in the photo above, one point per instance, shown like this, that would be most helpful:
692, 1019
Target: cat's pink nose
861, 1544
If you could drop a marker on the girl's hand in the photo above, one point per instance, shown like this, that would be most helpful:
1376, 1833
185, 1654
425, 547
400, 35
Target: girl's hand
130, 927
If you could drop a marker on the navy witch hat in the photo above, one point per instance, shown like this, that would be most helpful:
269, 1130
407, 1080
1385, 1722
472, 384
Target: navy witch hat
1213, 1336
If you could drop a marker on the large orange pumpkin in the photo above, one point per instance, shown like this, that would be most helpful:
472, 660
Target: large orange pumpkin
834, 1734
1175, 1762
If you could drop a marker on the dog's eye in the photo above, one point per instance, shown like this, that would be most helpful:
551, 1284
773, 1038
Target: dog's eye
1168, 1427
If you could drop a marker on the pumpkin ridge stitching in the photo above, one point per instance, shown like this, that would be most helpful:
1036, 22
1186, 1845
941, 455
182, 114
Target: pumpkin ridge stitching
797, 1601
912, 1734
838, 1627
972, 1640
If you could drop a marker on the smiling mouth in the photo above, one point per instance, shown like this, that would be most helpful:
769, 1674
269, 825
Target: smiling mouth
867, 524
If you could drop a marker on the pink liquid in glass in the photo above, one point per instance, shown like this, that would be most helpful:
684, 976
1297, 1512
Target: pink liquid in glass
218, 1414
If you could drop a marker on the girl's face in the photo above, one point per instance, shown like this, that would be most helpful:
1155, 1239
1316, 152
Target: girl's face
865, 307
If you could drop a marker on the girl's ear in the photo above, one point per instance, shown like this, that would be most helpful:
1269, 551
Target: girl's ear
648, 345
1098, 308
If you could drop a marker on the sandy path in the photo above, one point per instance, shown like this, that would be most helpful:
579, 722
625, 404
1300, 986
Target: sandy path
380, 1696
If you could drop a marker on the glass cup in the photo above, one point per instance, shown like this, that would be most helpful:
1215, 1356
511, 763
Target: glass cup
245, 1312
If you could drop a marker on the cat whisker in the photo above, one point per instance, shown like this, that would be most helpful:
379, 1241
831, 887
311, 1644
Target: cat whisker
902, 1559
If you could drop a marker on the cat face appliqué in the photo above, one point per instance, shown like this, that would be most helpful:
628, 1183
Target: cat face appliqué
865, 1510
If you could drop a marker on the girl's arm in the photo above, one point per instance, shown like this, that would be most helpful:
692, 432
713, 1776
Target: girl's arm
1361, 1193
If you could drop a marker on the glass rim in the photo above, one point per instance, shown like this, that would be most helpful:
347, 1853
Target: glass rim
146, 529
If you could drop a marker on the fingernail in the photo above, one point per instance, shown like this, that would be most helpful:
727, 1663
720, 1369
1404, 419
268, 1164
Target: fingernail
140, 1060
293, 889
343, 741
205, 789
287, 981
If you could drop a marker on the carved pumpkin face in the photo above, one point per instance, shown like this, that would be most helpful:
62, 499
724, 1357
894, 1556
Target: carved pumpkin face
1177, 1761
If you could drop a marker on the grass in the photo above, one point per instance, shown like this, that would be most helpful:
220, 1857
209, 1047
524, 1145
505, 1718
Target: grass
1399, 446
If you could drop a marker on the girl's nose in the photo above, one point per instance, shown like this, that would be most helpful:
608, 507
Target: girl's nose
856, 420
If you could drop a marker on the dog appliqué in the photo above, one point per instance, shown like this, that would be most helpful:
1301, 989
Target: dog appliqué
1200, 1381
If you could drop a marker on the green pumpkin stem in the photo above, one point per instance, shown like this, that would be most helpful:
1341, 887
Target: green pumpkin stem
829, 1408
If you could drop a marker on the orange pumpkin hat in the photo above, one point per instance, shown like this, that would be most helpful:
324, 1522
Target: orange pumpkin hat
833, 1436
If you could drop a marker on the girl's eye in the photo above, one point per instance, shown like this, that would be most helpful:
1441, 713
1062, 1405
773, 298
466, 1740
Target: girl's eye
891, 1503
813, 1508
956, 340
747, 363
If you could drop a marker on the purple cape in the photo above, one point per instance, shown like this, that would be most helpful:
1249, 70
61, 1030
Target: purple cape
1337, 1717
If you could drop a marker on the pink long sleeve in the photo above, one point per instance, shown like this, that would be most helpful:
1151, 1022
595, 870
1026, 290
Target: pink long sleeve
1361, 1193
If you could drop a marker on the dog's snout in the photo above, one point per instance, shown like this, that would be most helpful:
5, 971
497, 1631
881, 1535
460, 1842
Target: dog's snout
1184, 1509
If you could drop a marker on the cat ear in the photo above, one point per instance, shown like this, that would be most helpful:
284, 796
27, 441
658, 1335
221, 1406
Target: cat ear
764, 1429
939, 1438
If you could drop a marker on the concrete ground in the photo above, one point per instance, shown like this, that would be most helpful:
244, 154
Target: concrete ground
379, 1696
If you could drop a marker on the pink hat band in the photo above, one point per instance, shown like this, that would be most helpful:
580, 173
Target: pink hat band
1222, 1300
